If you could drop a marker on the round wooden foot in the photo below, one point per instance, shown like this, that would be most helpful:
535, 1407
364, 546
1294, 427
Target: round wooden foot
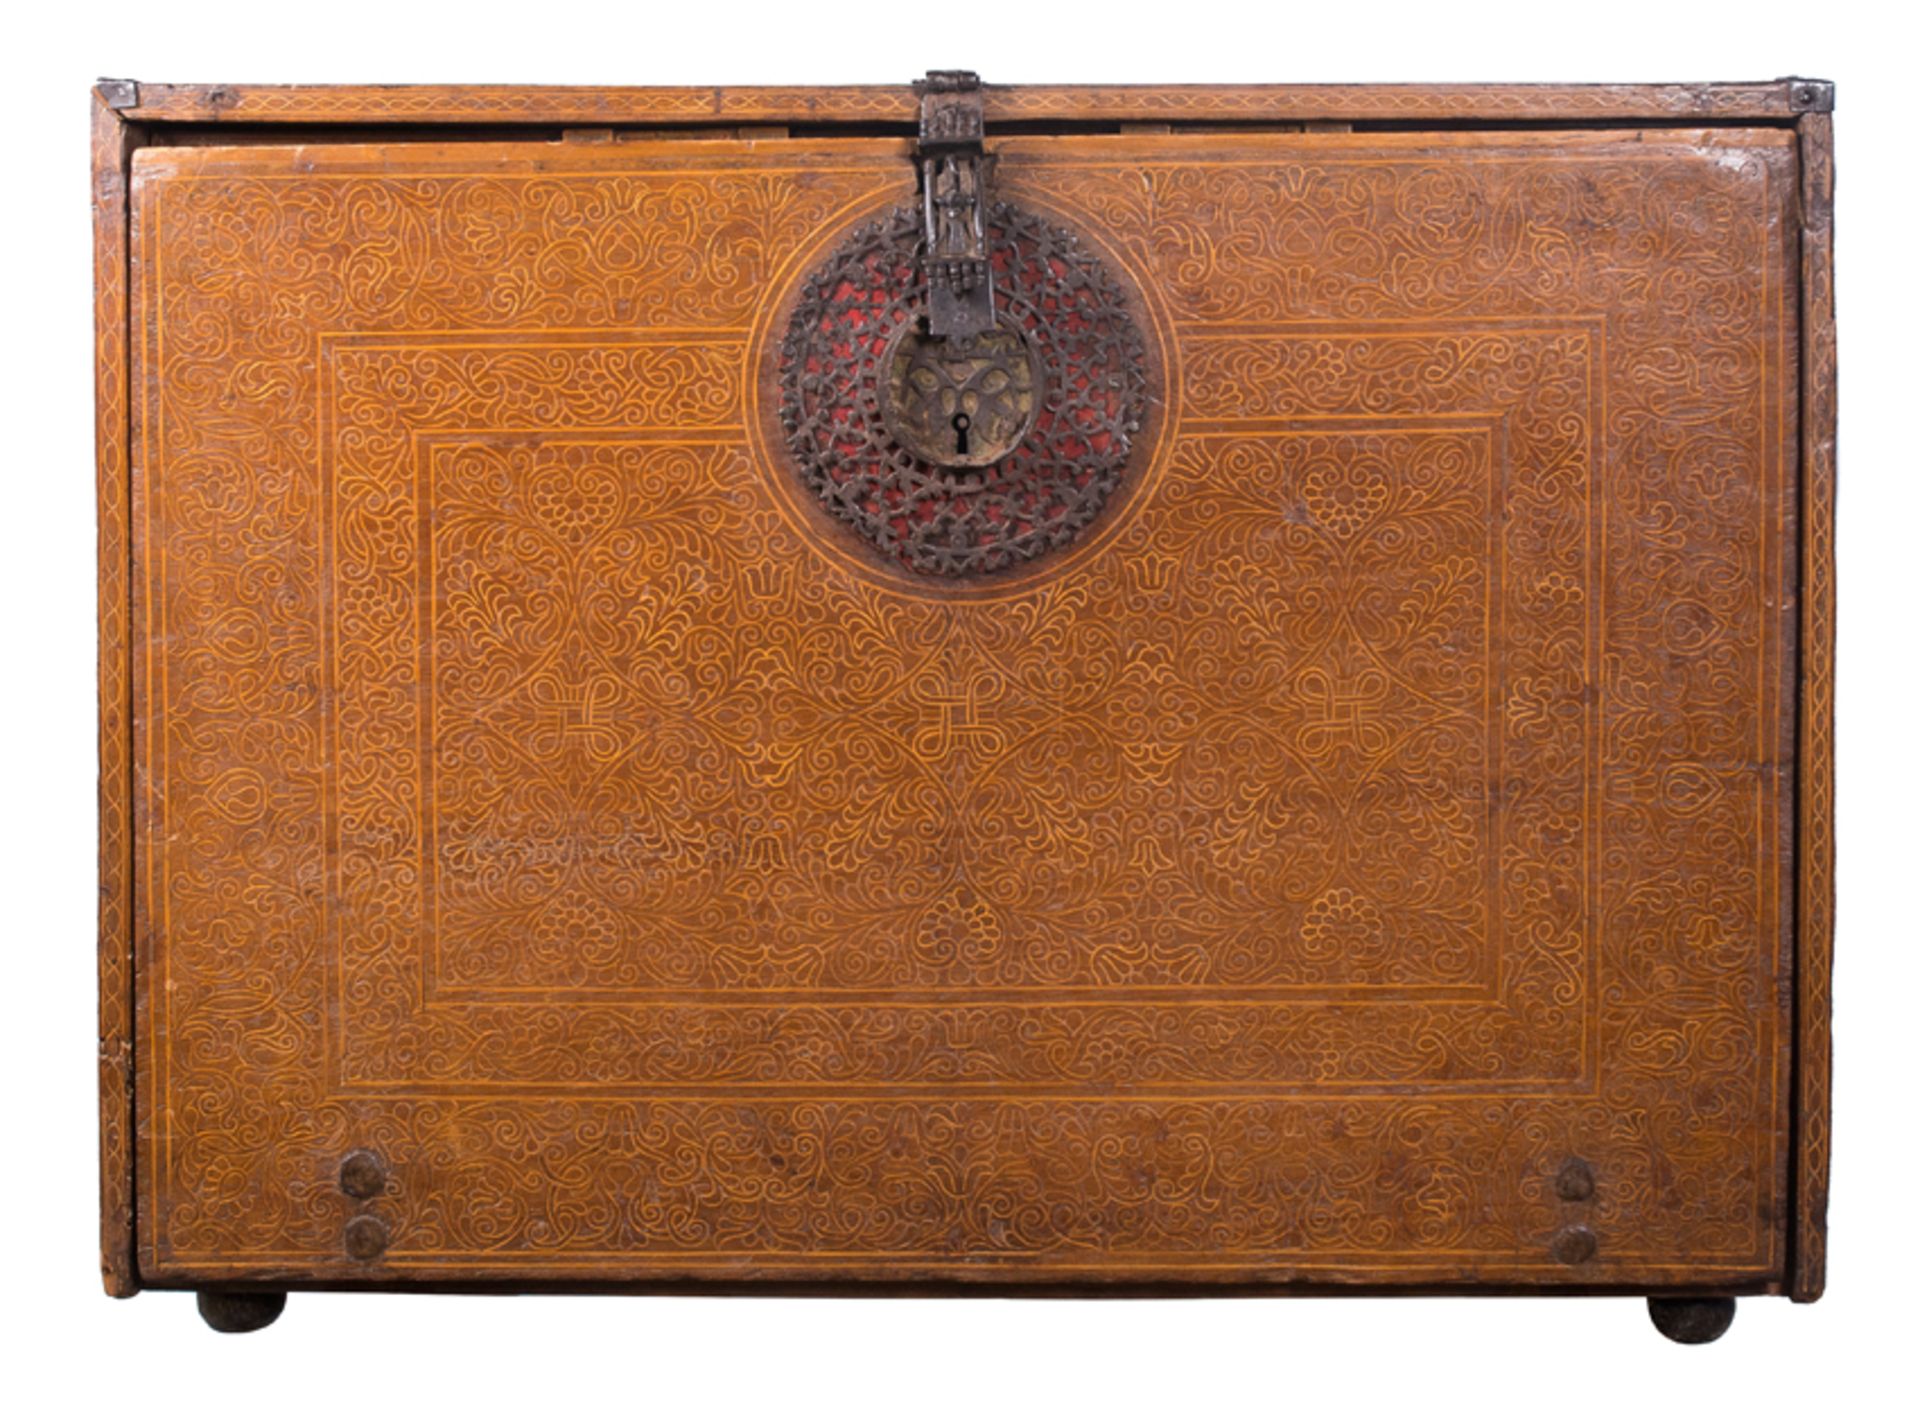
237, 1312
1691, 1320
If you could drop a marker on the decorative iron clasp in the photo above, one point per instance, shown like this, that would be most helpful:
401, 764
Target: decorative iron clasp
953, 192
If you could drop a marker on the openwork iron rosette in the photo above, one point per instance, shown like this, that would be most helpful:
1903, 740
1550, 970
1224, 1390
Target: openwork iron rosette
966, 455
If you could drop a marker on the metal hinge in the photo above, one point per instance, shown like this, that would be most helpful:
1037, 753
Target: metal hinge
954, 173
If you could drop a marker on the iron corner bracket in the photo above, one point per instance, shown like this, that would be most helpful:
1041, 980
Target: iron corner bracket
1809, 95
118, 93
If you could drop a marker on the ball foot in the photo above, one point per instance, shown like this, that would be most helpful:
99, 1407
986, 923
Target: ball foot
237, 1312
1691, 1320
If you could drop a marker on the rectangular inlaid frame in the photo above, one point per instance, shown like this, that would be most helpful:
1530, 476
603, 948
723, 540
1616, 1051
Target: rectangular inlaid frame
126, 116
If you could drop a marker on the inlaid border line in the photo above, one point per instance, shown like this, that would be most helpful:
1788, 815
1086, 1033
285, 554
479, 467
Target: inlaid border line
1814, 787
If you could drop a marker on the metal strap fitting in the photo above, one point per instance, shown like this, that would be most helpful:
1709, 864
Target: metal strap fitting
954, 170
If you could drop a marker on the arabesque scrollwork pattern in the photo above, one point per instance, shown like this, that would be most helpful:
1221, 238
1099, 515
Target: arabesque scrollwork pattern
1393, 805
115, 942
898, 103
1819, 417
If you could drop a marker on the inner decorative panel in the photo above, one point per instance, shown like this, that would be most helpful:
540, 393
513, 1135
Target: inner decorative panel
1316, 771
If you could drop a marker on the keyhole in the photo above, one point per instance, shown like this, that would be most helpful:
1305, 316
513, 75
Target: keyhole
961, 422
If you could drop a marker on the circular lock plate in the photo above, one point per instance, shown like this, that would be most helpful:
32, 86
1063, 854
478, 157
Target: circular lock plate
1049, 402
960, 403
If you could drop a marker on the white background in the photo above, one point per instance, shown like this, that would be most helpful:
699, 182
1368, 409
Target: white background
70, 1347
